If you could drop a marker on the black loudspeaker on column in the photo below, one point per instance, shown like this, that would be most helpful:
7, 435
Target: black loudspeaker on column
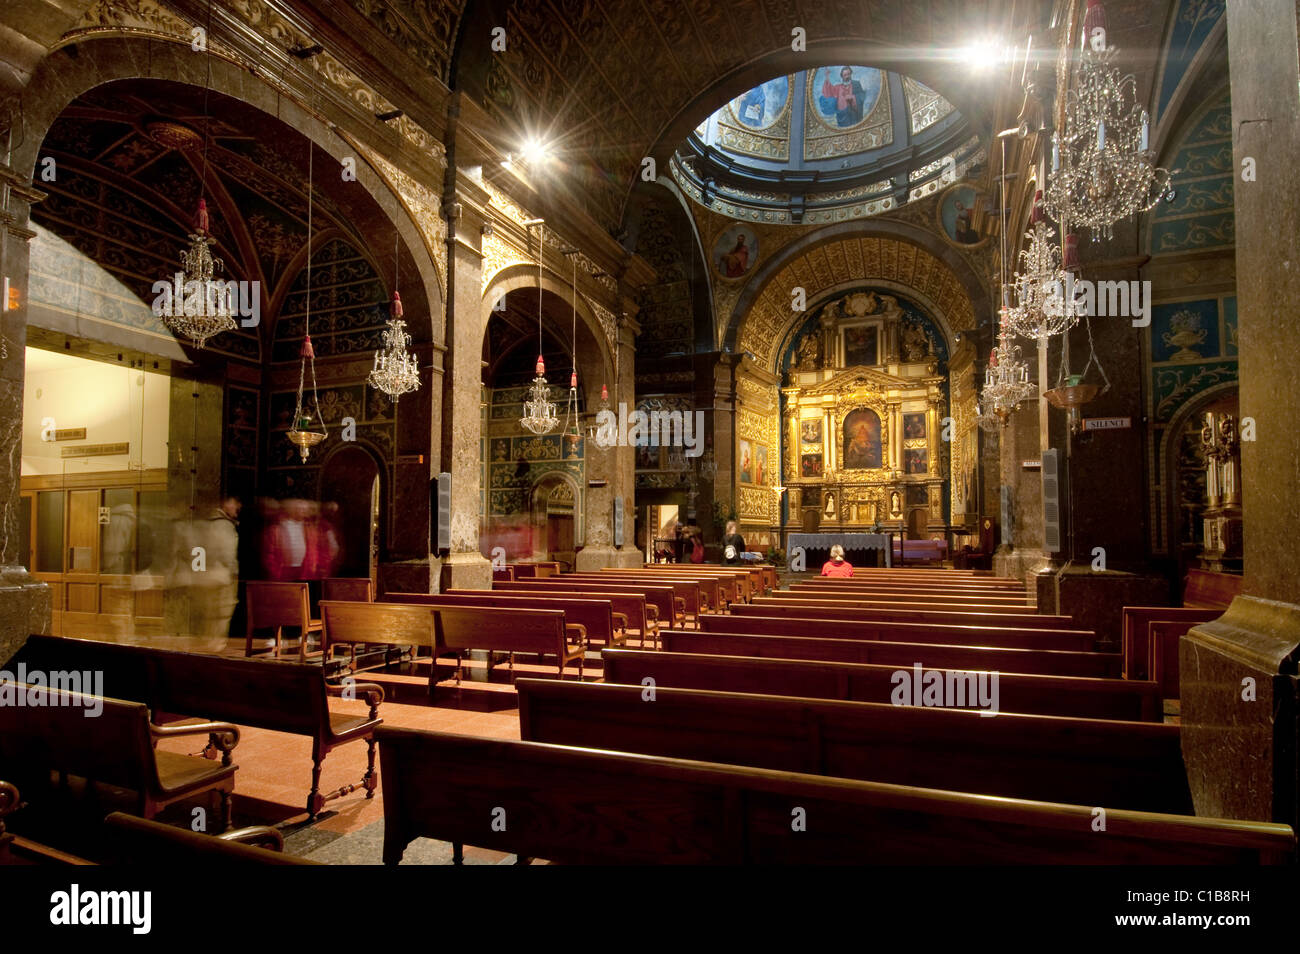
440, 511
618, 521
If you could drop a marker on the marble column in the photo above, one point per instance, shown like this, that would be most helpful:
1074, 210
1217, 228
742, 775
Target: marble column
24, 602
1021, 553
1240, 726
462, 421
617, 466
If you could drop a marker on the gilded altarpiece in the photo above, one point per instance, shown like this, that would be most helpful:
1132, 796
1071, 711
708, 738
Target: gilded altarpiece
863, 421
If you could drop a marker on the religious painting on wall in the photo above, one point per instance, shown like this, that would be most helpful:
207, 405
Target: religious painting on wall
844, 95
760, 463
861, 346
916, 460
862, 440
957, 211
763, 105
746, 462
811, 431
810, 465
913, 426
735, 251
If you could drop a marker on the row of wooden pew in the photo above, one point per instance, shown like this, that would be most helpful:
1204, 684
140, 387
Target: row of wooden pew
772, 733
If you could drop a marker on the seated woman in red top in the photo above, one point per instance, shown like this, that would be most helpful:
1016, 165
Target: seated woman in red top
837, 565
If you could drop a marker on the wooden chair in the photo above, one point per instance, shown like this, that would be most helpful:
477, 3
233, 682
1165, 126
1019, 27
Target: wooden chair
360, 589
116, 748
275, 606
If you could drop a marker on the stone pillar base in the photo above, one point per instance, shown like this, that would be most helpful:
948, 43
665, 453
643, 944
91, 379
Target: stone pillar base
1094, 599
24, 609
465, 571
1020, 563
1239, 712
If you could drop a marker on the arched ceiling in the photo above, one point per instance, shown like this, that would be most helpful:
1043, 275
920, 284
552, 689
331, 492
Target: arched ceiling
839, 264
620, 80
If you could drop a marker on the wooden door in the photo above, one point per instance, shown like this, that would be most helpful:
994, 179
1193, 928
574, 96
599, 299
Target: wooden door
81, 569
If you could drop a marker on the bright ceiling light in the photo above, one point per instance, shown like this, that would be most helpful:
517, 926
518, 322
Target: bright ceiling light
983, 54
534, 151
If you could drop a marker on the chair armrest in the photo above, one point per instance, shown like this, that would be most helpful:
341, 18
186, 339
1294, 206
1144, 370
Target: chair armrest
570, 628
374, 694
620, 620
259, 836
10, 802
680, 603
222, 736
651, 613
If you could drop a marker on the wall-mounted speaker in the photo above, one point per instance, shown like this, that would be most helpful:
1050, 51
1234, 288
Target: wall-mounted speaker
440, 511
618, 521
1052, 501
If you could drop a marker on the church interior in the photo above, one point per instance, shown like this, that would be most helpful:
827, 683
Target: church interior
451, 432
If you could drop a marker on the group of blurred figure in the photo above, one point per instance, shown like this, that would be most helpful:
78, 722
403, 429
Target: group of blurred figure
679, 543
197, 560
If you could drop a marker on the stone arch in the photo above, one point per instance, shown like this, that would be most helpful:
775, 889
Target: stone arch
538, 496
77, 68
956, 297
523, 276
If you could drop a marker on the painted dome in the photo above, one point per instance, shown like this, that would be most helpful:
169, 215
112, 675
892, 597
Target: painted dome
825, 145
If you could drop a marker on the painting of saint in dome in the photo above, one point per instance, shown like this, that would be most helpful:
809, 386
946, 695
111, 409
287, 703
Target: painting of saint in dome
762, 106
862, 440
845, 95
957, 211
735, 251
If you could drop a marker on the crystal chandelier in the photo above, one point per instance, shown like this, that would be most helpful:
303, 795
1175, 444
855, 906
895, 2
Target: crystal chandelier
1006, 381
1006, 378
539, 410
396, 371
305, 434
199, 307
1103, 168
1044, 291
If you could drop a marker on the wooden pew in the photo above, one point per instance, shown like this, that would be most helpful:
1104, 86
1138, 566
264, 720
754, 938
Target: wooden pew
840, 610
1137, 765
576, 806
275, 606
901, 601
352, 624
659, 600
870, 595
591, 616
862, 588
541, 632
585, 618
115, 748
276, 695
749, 581
630, 610
689, 594
357, 588
863, 581
716, 592
503, 574
524, 571
1136, 633
137, 841
953, 635
1083, 698
1050, 662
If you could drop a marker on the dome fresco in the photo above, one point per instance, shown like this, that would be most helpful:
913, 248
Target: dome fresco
835, 142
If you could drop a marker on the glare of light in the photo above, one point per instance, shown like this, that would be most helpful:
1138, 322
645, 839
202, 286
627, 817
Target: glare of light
982, 54
535, 151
